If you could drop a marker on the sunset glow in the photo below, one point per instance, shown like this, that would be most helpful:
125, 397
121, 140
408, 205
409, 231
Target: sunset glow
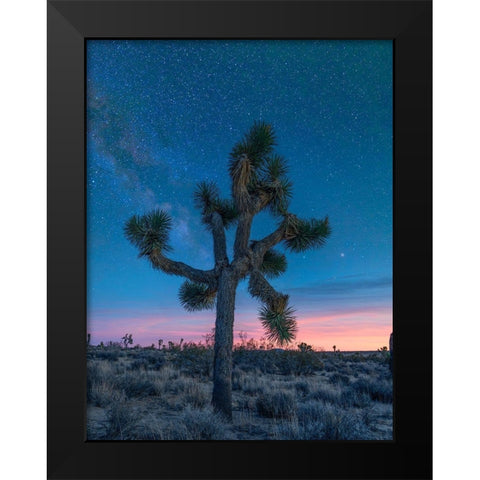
362, 330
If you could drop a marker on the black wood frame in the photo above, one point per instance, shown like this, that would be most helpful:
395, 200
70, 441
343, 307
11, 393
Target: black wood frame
408, 24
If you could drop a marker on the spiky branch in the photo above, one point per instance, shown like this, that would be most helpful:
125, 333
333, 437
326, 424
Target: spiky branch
171, 267
150, 233
276, 316
217, 215
196, 296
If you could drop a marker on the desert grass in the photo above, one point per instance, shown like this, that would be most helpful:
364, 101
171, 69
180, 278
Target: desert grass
164, 394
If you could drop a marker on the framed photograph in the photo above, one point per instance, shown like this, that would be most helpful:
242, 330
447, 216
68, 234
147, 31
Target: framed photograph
239, 239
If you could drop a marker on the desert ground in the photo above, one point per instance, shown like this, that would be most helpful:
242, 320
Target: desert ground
164, 393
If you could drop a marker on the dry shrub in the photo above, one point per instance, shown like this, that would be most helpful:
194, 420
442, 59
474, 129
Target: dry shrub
137, 384
103, 394
191, 424
323, 422
280, 404
253, 385
196, 395
326, 393
379, 389
302, 387
167, 373
238, 379
100, 383
121, 421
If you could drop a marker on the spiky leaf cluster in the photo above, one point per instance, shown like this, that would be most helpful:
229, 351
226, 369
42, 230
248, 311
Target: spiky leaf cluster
302, 235
149, 232
195, 296
280, 324
275, 167
274, 264
272, 185
205, 197
256, 145
207, 200
246, 161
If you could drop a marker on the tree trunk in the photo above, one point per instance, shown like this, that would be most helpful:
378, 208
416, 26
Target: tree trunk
222, 362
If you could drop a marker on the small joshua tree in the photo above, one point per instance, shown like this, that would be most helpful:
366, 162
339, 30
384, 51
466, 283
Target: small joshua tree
334, 348
259, 182
127, 340
304, 347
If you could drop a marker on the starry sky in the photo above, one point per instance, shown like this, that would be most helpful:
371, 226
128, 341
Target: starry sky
163, 115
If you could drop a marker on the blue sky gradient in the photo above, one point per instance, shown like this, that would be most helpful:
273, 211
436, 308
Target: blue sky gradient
163, 115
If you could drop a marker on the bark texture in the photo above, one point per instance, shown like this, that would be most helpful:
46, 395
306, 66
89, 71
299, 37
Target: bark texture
181, 269
219, 240
222, 366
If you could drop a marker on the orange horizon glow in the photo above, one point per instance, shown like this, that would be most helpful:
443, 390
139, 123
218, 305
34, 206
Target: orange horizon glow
361, 330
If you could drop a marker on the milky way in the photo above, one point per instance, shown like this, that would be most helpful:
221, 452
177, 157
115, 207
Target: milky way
164, 115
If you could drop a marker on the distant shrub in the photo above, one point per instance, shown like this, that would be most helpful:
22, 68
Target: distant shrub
204, 424
238, 379
340, 425
247, 403
349, 397
253, 385
281, 404
136, 384
322, 422
277, 361
193, 359
296, 431
325, 393
112, 354
195, 396
147, 359
299, 363
93, 375
356, 357
103, 394
100, 378
310, 411
180, 385
302, 387
191, 424
167, 374
378, 389
121, 421
338, 378
139, 364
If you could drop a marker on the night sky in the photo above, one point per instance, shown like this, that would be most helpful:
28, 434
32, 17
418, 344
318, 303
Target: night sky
163, 115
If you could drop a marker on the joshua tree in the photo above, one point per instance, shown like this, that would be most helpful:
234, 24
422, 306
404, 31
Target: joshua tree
127, 340
334, 348
259, 182
303, 347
